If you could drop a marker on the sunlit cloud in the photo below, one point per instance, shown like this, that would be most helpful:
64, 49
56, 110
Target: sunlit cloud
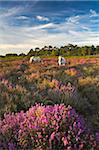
18, 36
74, 19
42, 18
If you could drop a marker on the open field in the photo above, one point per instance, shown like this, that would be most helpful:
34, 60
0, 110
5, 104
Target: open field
23, 84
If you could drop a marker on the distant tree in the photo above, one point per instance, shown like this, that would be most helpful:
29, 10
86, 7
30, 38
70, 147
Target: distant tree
37, 49
2, 56
67, 50
22, 54
55, 53
97, 50
93, 50
82, 51
31, 52
71, 47
61, 47
45, 48
55, 48
11, 55
50, 47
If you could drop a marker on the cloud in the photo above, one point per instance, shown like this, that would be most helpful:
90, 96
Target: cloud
85, 27
93, 13
42, 18
73, 19
44, 26
95, 21
76, 29
22, 39
10, 12
22, 17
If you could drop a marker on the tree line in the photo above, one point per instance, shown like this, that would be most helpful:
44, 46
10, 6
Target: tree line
68, 50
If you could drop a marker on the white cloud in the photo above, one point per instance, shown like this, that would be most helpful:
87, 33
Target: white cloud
73, 19
42, 18
23, 39
17, 39
85, 27
44, 26
93, 13
10, 12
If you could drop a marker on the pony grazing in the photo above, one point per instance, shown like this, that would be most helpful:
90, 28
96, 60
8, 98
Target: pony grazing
35, 59
61, 60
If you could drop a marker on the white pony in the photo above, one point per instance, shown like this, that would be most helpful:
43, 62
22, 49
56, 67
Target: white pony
35, 59
61, 60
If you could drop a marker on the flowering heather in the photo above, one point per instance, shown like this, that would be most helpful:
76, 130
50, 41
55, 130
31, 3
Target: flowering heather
12, 87
61, 88
46, 127
71, 71
75, 61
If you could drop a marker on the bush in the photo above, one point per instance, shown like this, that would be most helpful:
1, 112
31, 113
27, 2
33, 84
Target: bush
46, 127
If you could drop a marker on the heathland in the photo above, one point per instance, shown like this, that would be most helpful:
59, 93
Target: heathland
46, 106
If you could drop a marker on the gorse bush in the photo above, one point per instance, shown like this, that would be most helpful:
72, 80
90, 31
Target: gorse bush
46, 127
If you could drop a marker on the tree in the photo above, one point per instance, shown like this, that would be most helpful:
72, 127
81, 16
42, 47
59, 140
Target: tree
97, 49
55, 53
22, 54
50, 47
37, 49
11, 55
93, 50
31, 52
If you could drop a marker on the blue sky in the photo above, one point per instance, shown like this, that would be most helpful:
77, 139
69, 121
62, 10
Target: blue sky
29, 24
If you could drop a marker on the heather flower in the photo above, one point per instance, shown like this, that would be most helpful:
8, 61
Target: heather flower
97, 136
46, 127
39, 111
11, 146
69, 148
65, 141
81, 146
61, 88
52, 136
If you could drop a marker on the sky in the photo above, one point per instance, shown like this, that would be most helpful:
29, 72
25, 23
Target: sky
28, 24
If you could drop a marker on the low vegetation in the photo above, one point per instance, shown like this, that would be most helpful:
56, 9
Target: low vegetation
38, 103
